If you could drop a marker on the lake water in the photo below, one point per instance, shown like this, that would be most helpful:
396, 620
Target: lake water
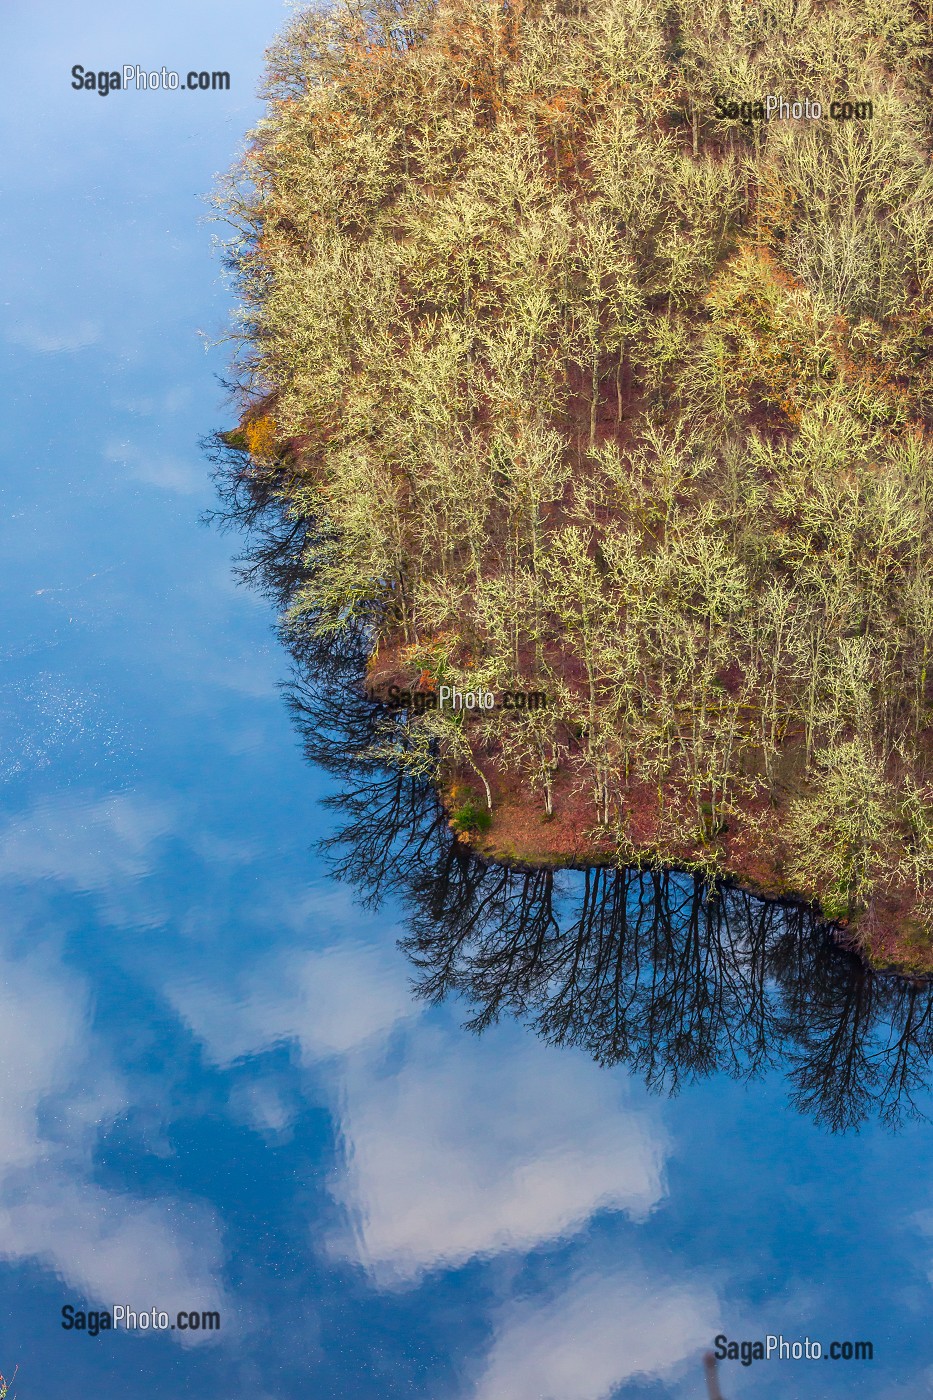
218, 1088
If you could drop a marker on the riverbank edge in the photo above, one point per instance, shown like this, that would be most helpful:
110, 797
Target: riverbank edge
845, 938
509, 844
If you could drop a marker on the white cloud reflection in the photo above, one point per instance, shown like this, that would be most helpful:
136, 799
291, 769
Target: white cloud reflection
454, 1147
107, 1247
111, 1248
474, 1146
87, 843
602, 1330
106, 847
326, 1001
183, 476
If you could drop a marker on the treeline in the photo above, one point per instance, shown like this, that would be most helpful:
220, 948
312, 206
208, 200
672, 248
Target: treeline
575, 386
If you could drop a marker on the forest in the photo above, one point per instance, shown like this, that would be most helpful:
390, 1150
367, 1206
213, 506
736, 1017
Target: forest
570, 384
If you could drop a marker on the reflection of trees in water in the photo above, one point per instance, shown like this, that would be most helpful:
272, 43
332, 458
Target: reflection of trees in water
648, 968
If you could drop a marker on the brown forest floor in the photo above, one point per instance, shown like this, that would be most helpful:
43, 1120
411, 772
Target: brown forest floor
749, 853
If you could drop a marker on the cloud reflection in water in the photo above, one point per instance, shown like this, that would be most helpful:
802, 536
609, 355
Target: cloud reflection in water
463, 1149
603, 1329
58, 1090
453, 1148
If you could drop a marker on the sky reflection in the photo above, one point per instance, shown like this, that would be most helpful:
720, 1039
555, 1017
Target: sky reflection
216, 1087
459, 1150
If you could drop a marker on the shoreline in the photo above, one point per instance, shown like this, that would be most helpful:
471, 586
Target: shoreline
519, 836
845, 940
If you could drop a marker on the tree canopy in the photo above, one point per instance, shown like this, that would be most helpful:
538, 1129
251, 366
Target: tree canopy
584, 387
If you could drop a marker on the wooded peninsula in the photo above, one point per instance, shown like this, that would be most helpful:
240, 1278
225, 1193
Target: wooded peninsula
592, 371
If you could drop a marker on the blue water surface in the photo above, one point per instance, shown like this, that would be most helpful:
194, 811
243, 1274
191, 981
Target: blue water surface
217, 1091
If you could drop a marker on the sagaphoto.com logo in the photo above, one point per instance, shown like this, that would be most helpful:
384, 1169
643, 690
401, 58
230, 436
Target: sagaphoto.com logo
130, 77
